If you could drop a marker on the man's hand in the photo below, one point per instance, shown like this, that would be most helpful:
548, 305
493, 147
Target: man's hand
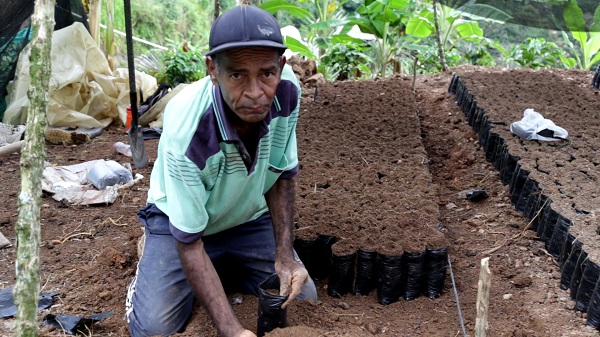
246, 333
292, 276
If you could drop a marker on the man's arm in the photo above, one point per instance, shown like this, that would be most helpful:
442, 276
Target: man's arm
292, 274
205, 281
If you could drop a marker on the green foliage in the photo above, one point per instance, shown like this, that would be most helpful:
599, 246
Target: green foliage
538, 53
384, 19
181, 66
162, 21
346, 61
588, 52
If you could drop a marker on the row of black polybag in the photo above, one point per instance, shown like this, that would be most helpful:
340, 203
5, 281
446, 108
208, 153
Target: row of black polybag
579, 275
408, 275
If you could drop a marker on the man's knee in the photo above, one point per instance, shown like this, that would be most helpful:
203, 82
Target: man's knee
157, 320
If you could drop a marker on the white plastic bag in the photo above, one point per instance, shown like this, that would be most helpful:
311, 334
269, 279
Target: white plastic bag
534, 126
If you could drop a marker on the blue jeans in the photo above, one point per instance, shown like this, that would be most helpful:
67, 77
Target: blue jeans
160, 300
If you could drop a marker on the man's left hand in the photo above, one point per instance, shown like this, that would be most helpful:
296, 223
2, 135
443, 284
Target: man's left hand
292, 276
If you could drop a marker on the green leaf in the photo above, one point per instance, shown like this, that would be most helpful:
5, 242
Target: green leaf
573, 16
420, 25
281, 5
298, 47
468, 29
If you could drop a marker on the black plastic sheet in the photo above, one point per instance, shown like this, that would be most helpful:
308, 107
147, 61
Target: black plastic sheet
476, 195
341, 278
270, 313
413, 272
389, 278
435, 271
366, 272
9, 309
74, 325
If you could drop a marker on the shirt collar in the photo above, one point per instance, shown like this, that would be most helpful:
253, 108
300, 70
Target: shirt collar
227, 130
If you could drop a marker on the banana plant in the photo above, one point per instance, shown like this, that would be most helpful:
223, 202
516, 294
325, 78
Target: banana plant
455, 25
321, 27
385, 19
588, 52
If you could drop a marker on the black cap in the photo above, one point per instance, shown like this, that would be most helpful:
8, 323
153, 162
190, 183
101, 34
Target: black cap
245, 26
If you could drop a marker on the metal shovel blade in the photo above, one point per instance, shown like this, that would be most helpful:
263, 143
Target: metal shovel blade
138, 151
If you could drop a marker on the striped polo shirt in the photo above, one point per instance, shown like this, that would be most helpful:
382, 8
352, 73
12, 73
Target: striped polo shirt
203, 179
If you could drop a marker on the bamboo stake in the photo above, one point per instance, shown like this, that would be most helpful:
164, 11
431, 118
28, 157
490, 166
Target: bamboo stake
94, 16
483, 298
27, 285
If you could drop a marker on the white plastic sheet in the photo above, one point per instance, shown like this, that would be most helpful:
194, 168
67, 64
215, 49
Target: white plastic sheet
534, 126
84, 92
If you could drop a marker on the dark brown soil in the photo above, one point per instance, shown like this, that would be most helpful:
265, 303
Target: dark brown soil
381, 166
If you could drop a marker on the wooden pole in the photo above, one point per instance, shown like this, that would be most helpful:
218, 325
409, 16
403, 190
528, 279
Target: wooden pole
95, 8
27, 285
483, 298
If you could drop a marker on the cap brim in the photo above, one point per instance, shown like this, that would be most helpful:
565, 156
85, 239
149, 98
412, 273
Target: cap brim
246, 44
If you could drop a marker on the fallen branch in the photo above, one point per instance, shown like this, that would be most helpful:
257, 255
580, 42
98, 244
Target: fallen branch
11, 148
114, 222
70, 237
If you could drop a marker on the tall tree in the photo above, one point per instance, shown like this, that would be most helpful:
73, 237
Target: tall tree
27, 287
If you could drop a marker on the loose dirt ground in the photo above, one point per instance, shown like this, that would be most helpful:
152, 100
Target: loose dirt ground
92, 268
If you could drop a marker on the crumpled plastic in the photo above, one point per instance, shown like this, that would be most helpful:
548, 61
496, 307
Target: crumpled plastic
9, 309
71, 184
534, 126
72, 325
84, 92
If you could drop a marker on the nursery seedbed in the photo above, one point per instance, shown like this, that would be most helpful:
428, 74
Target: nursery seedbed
91, 270
553, 183
364, 183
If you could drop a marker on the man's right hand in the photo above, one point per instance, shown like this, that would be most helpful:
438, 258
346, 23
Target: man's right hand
247, 333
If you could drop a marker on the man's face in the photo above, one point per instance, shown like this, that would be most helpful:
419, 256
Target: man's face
248, 78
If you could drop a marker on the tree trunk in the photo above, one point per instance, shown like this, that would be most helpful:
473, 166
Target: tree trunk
437, 35
217, 9
94, 16
27, 286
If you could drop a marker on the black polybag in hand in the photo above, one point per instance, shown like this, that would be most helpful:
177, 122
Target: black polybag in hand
270, 313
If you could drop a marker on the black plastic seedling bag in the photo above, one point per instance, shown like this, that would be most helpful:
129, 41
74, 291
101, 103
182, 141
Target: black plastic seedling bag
270, 313
366, 276
568, 268
518, 185
389, 278
577, 273
566, 250
341, 278
304, 249
490, 146
593, 313
551, 219
435, 271
453, 84
414, 265
559, 236
589, 278
321, 256
510, 164
543, 204
531, 186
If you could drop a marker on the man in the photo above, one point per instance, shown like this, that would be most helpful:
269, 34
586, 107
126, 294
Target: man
222, 187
